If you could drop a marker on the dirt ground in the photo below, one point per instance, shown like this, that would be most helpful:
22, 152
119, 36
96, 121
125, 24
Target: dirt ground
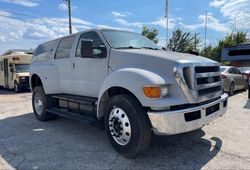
26, 143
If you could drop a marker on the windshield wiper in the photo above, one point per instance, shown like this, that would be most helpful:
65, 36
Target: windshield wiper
150, 48
128, 47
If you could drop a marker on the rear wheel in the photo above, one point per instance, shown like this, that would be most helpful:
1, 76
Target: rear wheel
231, 89
41, 102
127, 125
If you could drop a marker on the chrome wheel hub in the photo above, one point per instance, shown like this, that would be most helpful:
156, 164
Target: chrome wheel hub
38, 104
119, 126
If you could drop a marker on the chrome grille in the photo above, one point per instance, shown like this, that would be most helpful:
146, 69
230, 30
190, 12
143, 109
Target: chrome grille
208, 80
199, 81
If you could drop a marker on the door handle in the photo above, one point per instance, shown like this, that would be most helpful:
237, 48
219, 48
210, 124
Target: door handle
73, 65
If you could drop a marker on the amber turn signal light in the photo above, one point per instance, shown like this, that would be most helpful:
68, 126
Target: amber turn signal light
152, 92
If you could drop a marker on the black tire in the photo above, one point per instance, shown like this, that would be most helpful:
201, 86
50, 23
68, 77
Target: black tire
140, 125
246, 86
231, 89
46, 102
17, 88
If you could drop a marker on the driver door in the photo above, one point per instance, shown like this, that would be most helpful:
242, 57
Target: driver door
89, 73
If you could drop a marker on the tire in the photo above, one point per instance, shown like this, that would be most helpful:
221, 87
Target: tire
40, 103
131, 114
231, 89
17, 88
246, 86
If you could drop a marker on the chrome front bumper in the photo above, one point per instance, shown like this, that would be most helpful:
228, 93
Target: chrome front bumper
180, 121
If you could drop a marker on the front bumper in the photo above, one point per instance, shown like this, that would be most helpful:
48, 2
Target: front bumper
180, 121
24, 83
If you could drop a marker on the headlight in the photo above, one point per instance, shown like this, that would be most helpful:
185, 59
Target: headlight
155, 92
164, 91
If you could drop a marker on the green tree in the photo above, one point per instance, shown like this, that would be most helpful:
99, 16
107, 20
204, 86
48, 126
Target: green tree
150, 33
183, 41
214, 52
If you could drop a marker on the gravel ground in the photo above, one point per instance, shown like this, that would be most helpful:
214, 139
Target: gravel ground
26, 143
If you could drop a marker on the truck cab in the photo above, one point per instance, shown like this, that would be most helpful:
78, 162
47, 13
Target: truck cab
128, 84
14, 69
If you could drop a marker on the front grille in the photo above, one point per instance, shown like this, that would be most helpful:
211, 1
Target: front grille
208, 80
209, 90
199, 83
24, 81
205, 69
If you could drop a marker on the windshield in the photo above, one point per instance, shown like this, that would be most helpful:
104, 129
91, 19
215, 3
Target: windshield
123, 39
222, 69
21, 68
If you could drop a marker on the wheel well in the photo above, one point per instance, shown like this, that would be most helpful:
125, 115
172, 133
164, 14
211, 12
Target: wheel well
110, 93
118, 90
35, 81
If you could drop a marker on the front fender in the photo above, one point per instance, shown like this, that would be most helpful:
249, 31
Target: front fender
133, 80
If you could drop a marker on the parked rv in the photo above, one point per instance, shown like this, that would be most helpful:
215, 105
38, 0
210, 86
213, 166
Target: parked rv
14, 69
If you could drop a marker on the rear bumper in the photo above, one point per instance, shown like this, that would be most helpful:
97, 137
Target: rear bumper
180, 121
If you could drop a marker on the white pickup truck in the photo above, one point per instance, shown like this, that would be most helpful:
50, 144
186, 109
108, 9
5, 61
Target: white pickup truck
128, 84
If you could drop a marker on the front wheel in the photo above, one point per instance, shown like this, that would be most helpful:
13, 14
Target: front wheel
231, 89
41, 102
127, 125
246, 86
17, 87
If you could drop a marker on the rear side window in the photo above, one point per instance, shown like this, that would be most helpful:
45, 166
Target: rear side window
236, 71
64, 48
43, 51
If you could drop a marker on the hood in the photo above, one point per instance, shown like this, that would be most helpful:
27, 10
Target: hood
140, 58
25, 74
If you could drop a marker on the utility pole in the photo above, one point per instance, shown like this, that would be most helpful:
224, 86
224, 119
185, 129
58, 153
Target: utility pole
69, 11
167, 18
206, 32
235, 30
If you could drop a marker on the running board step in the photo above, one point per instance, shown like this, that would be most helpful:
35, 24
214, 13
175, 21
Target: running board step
77, 104
74, 98
71, 115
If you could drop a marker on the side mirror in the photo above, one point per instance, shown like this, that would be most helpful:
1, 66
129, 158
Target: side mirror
12, 69
86, 48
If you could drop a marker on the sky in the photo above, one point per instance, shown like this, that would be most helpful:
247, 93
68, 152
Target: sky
24, 24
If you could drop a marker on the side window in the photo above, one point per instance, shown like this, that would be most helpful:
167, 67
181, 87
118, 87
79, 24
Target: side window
1, 65
237, 71
231, 71
64, 48
98, 44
